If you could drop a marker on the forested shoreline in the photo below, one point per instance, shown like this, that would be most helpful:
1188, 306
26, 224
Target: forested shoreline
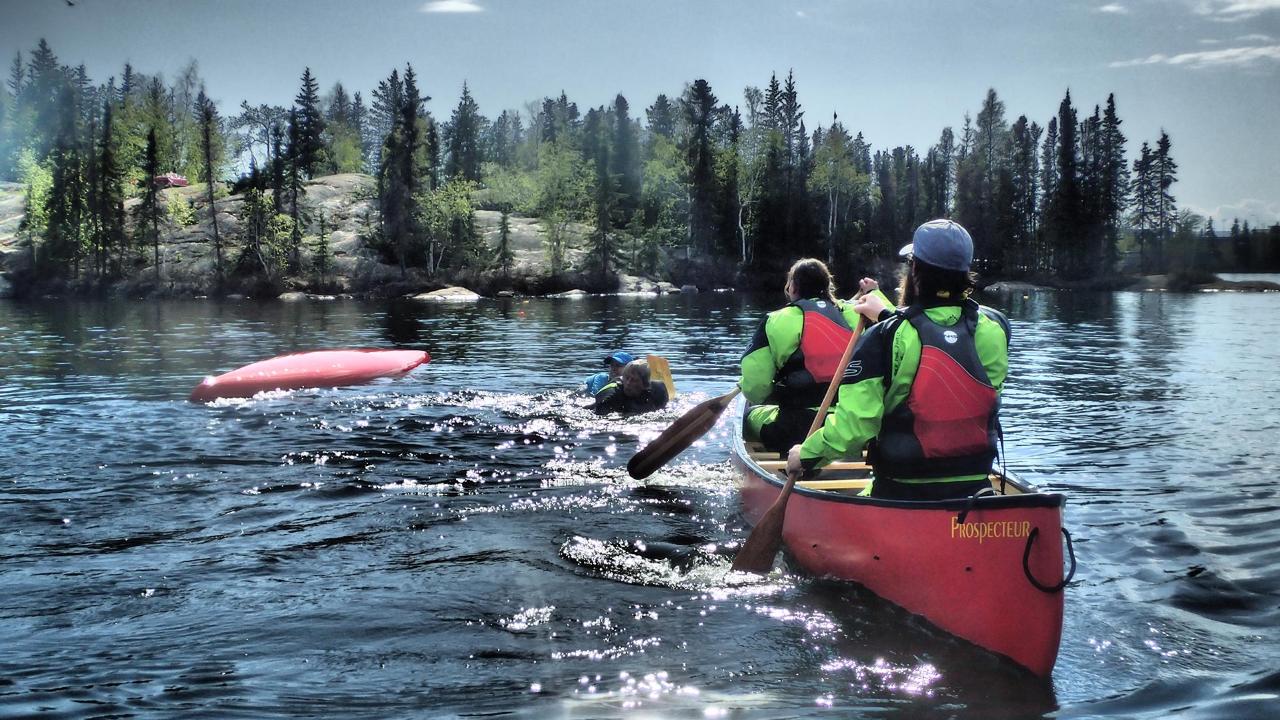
691, 189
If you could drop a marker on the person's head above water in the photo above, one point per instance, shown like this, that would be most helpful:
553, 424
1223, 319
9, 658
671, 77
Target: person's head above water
810, 278
635, 378
616, 361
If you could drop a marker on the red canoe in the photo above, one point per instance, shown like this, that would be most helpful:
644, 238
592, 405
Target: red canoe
987, 570
319, 368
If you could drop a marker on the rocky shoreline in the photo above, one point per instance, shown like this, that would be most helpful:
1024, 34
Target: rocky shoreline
347, 204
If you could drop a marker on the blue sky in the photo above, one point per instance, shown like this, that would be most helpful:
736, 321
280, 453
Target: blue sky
1205, 71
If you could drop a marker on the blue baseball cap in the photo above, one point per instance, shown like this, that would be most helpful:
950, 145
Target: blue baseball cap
942, 244
618, 357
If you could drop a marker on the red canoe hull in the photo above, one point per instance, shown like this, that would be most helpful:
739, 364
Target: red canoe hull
966, 578
320, 368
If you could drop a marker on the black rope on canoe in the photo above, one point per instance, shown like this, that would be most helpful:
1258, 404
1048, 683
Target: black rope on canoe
969, 505
1026, 568
1004, 459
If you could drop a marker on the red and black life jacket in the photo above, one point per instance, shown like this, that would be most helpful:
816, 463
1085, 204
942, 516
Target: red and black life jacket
948, 425
824, 334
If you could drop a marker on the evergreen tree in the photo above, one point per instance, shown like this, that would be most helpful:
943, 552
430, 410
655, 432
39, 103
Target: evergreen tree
698, 105
625, 162
596, 149
207, 121
1024, 180
295, 170
1063, 215
661, 116
149, 210
110, 205
311, 126
463, 136
1144, 215
1115, 182
383, 116
1164, 174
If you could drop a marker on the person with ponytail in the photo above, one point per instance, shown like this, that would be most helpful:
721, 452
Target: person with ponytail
793, 355
922, 391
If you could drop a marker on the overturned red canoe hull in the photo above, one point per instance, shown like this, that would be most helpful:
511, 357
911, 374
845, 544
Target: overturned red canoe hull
962, 571
319, 368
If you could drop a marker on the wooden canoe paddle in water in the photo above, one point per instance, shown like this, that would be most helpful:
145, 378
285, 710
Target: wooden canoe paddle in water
683, 432
761, 546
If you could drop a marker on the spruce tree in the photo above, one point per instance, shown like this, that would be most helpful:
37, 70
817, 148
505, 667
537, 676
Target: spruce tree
149, 210
207, 122
311, 125
1164, 174
1115, 181
698, 105
662, 117
463, 134
625, 161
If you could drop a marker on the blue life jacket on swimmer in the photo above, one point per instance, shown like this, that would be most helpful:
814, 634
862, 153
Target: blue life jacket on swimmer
824, 334
948, 425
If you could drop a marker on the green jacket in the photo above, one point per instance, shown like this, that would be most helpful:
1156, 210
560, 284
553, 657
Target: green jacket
865, 396
776, 339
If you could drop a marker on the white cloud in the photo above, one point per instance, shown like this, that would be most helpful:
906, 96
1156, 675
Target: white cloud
1234, 10
1256, 37
451, 6
1112, 9
1259, 213
1226, 57
801, 14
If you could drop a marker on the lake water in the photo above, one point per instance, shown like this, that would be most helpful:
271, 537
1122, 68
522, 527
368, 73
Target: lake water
463, 542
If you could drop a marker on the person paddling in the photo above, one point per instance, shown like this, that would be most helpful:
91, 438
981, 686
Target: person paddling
794, 353
923, 386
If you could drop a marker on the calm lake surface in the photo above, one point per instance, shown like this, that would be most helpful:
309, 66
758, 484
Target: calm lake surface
465, 541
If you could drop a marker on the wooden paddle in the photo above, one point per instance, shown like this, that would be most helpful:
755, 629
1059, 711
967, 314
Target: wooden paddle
660, 371
682, 433
761, 546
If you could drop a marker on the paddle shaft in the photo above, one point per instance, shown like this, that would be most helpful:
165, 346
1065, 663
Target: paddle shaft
761, 546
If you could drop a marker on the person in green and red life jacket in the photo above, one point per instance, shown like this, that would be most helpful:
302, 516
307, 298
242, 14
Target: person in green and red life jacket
793, 355
922, 389
633, 392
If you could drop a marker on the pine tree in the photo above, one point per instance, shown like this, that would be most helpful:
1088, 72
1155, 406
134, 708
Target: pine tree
149, 210
625, 161
1115, 182
698, 105
1063, 216
661, 116
1164, 174
207, 121
110, 191
596, 151
463, 135
1143, 217
311, 125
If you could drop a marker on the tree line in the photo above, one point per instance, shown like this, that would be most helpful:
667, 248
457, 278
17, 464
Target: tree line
690, 187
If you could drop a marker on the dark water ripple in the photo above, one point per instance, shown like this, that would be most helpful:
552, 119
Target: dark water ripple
465, 542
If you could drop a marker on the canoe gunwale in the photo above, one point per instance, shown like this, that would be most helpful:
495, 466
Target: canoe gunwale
978, 548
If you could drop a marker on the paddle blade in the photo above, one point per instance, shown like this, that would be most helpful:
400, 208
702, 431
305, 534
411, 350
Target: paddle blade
676, 439
660, 371
761, 546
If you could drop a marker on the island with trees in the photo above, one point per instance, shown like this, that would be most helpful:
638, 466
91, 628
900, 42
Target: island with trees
144, 186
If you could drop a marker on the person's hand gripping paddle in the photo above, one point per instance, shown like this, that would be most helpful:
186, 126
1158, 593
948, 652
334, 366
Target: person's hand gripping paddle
761, 546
